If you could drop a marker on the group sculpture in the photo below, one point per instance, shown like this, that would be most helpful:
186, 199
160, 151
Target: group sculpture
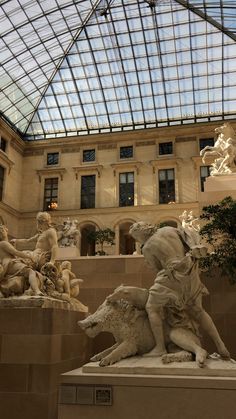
163, 321
223, 151
36, 272
68, 234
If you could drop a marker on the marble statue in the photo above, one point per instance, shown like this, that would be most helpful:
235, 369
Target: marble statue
45, 241
129, 324
68, 234
36, 272
173, 305
16, 274
224, 151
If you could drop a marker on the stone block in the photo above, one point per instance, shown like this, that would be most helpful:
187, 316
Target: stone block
24, 405
117, 279
134, 264
36, 349
73, 346
8, 323
225, 303
112, 265
13, 378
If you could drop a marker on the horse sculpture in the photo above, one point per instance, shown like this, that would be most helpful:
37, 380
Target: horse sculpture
224, 151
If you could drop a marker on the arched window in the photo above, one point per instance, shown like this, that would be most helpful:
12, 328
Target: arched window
127, 243
87, 246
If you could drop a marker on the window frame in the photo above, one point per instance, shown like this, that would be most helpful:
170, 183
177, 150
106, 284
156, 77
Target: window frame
82, 206
166, 181
127, 192
51, 189
165, 154
52, 153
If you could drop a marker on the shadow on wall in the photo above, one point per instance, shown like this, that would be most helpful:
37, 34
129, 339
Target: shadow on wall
87, 247
126, 243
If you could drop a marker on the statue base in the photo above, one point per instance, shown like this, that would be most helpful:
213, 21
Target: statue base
39, 340
67, 253
144, 388
217, 188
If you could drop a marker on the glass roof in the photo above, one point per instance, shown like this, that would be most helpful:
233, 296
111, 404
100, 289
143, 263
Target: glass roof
84, 67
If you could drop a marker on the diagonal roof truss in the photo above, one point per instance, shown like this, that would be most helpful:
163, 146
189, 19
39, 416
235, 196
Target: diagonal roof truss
81, 67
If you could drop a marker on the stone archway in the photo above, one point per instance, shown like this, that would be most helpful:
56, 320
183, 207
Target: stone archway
171, 223
87, 248
126, 242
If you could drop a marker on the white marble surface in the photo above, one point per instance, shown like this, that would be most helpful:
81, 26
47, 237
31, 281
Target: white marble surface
154, 366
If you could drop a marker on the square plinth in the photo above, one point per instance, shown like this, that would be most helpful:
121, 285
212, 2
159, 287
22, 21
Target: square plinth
145, 389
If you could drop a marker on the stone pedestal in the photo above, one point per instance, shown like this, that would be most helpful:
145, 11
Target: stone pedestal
217, 188
39, 340
145, 389
67, 253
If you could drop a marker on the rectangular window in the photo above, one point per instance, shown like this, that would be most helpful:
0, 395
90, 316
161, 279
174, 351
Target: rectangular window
126, 152
89, 155
3, 144
126, 190
2, 173
88, 191
166, 186
50, 194
203, 142
166, 148
204, 173
52, 159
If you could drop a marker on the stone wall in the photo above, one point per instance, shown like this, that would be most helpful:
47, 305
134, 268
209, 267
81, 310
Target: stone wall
36, 346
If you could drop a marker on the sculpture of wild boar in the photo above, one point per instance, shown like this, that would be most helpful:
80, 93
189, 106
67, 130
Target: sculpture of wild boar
129, 325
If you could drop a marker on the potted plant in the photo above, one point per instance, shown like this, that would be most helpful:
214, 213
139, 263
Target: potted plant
100, 237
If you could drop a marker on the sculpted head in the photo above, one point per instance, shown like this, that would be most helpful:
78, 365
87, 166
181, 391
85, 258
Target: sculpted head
3, 232
66, 265
43, 218
141, 231
226, 130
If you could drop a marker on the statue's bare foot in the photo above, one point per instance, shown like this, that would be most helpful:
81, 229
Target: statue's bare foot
224, 353
39, 293
201, 356
155, 352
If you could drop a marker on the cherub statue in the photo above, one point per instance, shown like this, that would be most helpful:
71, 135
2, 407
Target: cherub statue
68, 284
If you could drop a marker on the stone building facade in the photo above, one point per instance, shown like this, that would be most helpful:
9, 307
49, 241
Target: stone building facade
103, 181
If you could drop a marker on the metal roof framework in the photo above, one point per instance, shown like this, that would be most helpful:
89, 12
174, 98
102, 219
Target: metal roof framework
85, 66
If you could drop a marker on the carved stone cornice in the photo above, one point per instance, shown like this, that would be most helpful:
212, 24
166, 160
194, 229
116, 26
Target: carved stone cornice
7, 163
51, 172
163, 163
88, 168
197, 161
133, 165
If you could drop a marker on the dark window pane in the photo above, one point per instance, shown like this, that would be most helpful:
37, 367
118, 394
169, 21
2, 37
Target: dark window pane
126, 192
50, 194
89, 155
2, 173
3, 144
52, 158
204, 173
166, 186
166, 148
126, 152
203, 142
88, 191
